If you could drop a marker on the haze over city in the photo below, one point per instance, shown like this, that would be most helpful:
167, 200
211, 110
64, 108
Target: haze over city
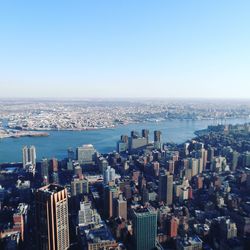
190, 49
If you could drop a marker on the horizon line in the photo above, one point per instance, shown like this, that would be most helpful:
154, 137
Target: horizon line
126, 98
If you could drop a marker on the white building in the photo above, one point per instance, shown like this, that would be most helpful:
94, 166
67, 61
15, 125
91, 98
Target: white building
29, 158
85, 154
109, 175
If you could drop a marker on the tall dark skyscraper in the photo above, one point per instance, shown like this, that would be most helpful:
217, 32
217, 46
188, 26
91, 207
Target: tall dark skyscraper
144, 229
157, 139
52, 225
45, 171
165, 191
145, 134
157, 135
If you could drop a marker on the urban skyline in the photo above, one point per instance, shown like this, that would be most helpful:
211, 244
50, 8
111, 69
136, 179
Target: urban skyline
124, 125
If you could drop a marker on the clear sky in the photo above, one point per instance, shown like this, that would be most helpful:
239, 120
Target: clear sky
125, 48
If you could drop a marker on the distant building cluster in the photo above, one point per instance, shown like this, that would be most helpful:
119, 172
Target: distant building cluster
25, 118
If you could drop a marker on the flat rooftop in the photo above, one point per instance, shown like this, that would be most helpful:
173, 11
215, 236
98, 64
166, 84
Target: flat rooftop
143, 211
52, 188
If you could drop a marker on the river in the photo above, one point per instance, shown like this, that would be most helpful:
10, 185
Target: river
104, 140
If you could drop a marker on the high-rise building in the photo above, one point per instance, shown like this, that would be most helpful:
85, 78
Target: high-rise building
122, 145
136, 142
128, 191
145, 195
78, 171
165, 189
248, 182
52, 224
79, 187
29, 158
121, 207
162, 187
109, 175
54, 178
145, 134
218, 164
204, 157
85, 214
210, 154
110, 193
54, 165
194, 166
144, 223
20, 220
102, 164
86, 154
171, 166
246, 159
157, 139
70, 165
45, 171
228, 229
173, 223
235, 160
71, 154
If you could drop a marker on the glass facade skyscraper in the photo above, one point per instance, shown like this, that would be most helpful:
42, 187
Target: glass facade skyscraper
144, 228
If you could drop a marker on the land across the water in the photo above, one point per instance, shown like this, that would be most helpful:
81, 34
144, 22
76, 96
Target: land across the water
104, 140
6, 133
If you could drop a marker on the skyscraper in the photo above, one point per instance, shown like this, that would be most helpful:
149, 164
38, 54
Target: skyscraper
29, 159
145, 134
157, 139
54, 164
79, 186
85, 154
122, 144
29, 156
45, 171
165, 189
52, 225
144, 223
121, 207
110, 193
109, 175
136, 142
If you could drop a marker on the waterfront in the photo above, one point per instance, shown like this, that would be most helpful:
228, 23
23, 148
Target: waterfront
104, 140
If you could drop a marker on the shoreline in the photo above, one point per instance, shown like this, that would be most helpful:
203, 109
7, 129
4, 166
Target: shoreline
19, 134
104, 141
219, 120
8, 133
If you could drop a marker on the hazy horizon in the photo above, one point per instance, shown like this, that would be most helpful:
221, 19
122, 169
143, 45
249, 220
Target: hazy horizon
121, 99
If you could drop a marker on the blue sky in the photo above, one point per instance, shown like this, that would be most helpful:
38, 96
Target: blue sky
124, 48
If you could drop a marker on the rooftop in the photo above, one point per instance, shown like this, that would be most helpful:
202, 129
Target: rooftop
98, 234
52, 188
